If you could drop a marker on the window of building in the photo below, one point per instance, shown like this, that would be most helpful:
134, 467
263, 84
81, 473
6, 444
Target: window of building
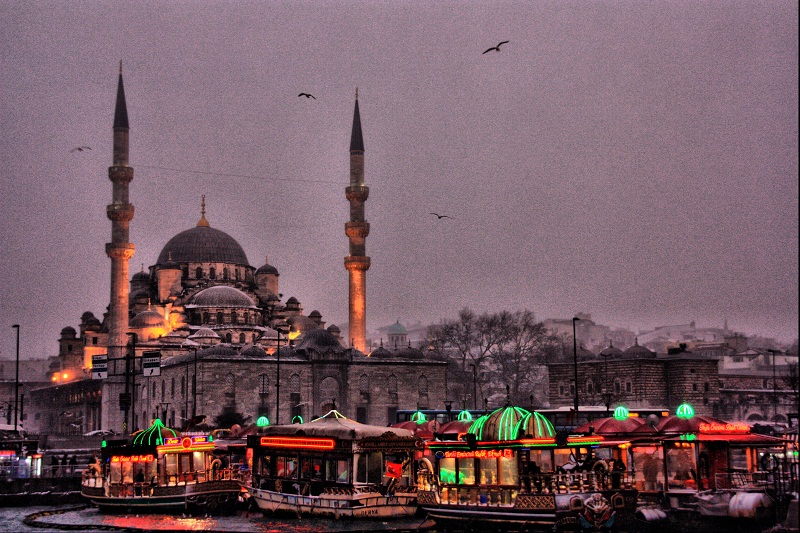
562, 391
361, 414
225, 273
94, 340
617, 386
628, 386
590, 387
234, 317
297, 404
228, 337
572, 389
242, 338
198, 273
246, 317
694, 387
220, 317
212, 273
237, 274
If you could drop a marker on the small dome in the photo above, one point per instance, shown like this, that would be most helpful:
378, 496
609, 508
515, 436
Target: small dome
303, 324
638, 352
397, 329
204, 333
334, 330
611, 351
221, 296
410, 353
314, 314
86, 316
216, 350
147, 319
380, 353
267, 269
68, 331
318, 338
141, 276
251, 350
505, 423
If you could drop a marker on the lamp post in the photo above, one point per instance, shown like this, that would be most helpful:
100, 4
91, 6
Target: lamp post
132, 343
774, 386
194, 384
16, 382
575, 359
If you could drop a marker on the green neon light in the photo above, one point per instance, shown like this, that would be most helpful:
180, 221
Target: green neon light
418, 417
103, 444
477, 427
464, 416
534, 424
621, 413
296, 419
262, 421
688, 436
152, 435
684, 411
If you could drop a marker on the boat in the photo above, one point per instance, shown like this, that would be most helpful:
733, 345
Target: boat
512, 471
160, 471
334, 467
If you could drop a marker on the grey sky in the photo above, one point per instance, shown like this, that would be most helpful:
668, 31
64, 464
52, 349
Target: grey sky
636, 160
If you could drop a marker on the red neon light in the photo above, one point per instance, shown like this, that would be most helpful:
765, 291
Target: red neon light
540, 440
171, 441
585, 440
298, 442
724, 428
132, 458
7, 452
479, 454
186, 442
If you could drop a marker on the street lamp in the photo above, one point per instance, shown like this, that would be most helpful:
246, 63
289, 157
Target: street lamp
16, 382
774, 386
575, 359
474, 386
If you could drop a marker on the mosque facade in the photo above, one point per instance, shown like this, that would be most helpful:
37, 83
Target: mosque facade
203, 333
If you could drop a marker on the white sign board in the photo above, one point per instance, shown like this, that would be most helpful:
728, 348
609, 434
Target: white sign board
151, 366
99, 366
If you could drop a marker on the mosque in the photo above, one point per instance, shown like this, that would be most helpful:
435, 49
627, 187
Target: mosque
203, 333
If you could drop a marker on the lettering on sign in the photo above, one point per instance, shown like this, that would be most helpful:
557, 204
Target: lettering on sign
479, 454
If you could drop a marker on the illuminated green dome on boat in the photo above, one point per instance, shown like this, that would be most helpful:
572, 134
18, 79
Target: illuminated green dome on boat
511, 423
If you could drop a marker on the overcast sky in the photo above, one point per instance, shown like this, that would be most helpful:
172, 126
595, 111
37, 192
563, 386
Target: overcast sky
636, 160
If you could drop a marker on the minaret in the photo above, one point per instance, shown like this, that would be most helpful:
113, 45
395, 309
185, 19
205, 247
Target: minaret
120, 212
357, 263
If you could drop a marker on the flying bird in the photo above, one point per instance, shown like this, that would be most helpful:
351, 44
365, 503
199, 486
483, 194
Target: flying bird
307, 95
80, 149
497, 48
440, 216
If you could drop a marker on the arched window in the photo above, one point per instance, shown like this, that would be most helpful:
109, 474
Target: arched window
237, 274
590, 387
294, 383
392, 384
225, 273
206, 318
220, 317
228, 337
212, 273
422, 383
363, 383
328, 394
229, 388
185, 272
198, 273
242, 338
246, 317
234, 317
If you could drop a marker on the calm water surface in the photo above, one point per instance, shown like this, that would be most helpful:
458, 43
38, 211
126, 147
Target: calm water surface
11, 521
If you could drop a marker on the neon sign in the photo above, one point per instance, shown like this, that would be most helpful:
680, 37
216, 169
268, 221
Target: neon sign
478, 454
195, 443
684, 411
621, 413
298, 442
728, 427
132, 458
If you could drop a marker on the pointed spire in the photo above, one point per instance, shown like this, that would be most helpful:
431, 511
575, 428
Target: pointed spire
121, 111
356, 139
203, 222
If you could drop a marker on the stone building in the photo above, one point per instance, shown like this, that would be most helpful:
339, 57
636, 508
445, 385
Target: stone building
203, 332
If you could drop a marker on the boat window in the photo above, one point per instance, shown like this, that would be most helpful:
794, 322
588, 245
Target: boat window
543, 458
681, 470
336, 470
466, 471
171, 467
370, 467
287, 467
489, 471
264, 464
311, 468
509, 474
447, 470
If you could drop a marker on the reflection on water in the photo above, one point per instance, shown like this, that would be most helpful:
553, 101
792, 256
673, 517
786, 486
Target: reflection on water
252, 522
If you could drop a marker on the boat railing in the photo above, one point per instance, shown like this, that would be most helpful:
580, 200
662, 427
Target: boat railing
555, 483
127, 488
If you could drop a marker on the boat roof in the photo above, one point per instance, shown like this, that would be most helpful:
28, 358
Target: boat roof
335, 425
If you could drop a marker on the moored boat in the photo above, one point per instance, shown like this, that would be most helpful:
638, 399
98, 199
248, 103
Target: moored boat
334, 467
512, 472
158, 470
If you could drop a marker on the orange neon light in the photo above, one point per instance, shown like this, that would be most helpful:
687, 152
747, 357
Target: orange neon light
132, 458
713, 427
540, 440
479, 454
582, 440
298, 442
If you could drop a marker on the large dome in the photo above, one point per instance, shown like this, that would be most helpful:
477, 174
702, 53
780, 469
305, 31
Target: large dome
221, 296
203, 244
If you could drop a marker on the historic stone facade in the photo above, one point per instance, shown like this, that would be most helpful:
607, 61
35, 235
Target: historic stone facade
225, 341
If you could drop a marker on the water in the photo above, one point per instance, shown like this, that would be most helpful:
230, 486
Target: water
11, 520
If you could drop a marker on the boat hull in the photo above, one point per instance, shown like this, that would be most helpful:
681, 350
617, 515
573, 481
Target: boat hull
598, 511
211, 497
363, 505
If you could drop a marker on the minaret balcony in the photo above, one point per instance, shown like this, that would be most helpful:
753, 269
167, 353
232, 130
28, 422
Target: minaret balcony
357, 262
356, 230
119, 212
356, 192
120, 174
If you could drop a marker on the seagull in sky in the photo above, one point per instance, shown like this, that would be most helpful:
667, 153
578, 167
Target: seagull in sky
497, 48
80, 149
440, 216
307, 95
